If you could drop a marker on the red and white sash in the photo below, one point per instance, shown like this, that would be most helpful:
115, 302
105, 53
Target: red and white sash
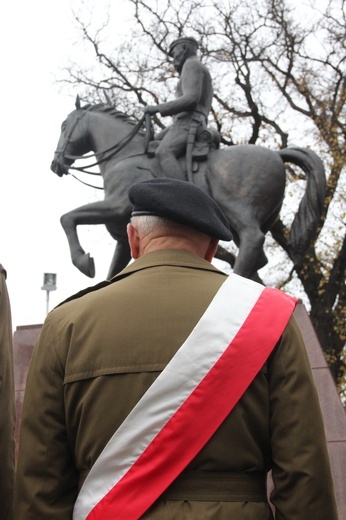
187, 402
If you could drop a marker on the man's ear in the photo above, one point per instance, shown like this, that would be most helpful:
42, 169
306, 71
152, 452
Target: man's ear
212, 248
133, 239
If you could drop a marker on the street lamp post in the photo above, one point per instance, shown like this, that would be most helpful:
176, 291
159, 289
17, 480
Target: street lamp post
49, 284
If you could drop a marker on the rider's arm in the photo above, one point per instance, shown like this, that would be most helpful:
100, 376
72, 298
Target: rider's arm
194, 79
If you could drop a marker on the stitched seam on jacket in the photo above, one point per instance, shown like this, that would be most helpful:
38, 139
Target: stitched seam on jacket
105, 371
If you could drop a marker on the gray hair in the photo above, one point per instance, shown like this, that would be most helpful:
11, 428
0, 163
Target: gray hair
149, 223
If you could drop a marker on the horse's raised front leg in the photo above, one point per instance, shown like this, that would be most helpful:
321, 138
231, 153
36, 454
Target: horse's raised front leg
80, 258
98, 212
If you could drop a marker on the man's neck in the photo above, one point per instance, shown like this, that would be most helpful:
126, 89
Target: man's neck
168, 242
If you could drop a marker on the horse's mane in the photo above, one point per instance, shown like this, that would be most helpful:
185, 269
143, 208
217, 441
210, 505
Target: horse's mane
110, 110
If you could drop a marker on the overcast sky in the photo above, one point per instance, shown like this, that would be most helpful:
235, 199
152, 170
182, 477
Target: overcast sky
37, 38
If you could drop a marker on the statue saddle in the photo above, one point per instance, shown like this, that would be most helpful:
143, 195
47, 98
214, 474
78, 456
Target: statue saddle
206, 139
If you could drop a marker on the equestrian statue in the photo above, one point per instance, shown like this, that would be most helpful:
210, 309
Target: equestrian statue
247, 181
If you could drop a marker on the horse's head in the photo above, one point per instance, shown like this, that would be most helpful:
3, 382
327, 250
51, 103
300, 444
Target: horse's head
73, 141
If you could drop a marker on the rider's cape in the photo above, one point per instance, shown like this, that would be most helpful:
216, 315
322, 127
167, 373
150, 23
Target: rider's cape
187, 402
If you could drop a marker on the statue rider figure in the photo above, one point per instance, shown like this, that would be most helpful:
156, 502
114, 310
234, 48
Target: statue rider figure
190, 109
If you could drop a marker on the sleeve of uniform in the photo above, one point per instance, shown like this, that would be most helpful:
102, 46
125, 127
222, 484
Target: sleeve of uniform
46, 483
7, 409
301, 467
192, 84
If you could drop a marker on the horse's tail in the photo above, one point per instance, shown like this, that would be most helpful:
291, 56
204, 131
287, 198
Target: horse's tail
310, 209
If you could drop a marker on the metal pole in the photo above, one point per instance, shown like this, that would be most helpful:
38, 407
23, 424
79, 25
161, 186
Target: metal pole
49, 284
47, 302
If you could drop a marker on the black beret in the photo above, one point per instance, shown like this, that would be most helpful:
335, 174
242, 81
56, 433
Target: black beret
182, 202
182, 39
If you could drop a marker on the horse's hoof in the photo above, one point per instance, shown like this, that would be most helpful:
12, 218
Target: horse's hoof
85, 264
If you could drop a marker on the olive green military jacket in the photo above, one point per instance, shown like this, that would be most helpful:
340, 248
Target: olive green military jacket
7, 404
97, 355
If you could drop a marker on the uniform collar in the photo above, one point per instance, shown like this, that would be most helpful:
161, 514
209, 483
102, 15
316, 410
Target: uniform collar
172, 257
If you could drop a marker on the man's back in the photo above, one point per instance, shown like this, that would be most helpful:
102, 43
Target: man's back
128, 332
119, 361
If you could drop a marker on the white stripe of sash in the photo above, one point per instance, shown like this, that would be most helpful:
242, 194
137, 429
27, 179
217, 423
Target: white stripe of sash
209, 339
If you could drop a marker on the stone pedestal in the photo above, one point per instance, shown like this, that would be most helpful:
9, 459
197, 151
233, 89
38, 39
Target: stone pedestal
332, 409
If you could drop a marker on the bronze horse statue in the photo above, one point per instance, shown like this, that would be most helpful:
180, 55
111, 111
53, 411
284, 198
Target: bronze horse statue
247, 181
